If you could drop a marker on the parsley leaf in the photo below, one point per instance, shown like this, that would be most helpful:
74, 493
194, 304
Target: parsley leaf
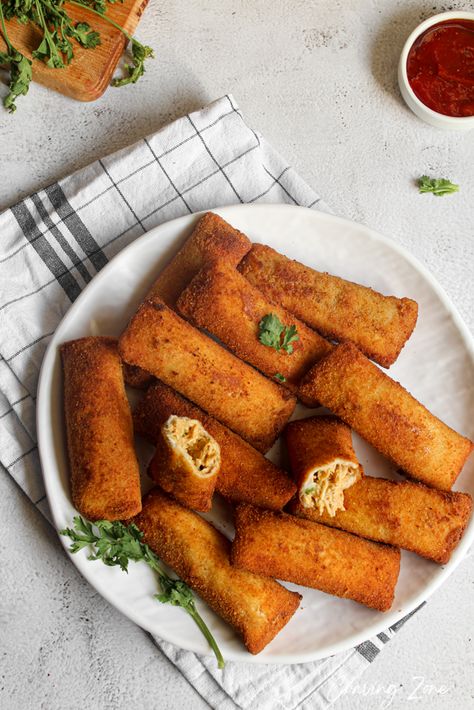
85, 36
270, 328
438, 186
116, 544
140, 53
278, 376
20, 68
290, 335
274, 334
20, 76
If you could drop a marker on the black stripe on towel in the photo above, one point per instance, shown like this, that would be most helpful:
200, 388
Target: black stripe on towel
44, 249
65, 246
76, 226
400, 623
368, 650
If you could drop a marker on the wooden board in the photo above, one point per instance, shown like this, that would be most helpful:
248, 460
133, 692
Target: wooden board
90, 72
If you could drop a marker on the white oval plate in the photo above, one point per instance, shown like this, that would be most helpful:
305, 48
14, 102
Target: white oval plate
437, 366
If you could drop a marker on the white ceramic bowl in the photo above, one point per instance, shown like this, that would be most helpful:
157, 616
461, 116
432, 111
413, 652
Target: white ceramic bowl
439, 120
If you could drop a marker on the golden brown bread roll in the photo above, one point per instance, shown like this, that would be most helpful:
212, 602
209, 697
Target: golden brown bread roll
299, 551
387, 416
338, 309
168, 347
105, 479
255, 606
401, 513
220, 300
186, 462
212, 239
245, 476
322, 461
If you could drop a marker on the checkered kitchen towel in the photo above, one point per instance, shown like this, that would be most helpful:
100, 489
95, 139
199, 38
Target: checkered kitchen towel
54, 242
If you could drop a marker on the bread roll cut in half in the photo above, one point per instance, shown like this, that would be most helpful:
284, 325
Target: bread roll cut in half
187, 462
323, 462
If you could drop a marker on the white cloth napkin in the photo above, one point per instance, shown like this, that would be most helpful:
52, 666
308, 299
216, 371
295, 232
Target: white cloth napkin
52, 245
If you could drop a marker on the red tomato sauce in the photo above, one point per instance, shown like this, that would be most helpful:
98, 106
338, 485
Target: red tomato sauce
440, 67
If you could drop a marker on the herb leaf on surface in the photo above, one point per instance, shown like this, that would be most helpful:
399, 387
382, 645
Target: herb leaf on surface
437, 186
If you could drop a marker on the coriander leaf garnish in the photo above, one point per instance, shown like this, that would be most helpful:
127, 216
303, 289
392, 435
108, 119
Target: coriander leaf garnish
278, 376
274, 334
20, 68
290, 335
85, 36
438, 186
116, 544
140, 53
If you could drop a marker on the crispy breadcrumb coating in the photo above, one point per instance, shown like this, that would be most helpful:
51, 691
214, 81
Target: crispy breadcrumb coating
105, 479
313, 555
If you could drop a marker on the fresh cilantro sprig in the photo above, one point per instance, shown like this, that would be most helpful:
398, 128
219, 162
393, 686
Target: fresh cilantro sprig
274, 334
140, 53
278, 376
115, 544
437, 186
19, 65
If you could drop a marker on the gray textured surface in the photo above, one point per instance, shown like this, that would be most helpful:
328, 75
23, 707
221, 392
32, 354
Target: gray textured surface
319, 80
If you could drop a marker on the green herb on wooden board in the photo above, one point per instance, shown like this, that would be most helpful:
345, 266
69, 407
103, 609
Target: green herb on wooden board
58, 35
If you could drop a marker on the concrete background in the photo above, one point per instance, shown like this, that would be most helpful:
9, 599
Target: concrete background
318, 79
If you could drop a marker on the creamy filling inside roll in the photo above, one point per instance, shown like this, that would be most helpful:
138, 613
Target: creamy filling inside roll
188, 438
324, 486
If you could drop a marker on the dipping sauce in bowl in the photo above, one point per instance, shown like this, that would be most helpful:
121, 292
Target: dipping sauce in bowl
440, 67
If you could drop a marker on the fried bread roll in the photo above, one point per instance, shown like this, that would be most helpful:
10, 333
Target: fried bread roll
220, 300
322, 461
245, 474
105, 480
341, 310
186, 462
387, 416
405, 514
168, 347
256, 607
299, 551
212, 239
